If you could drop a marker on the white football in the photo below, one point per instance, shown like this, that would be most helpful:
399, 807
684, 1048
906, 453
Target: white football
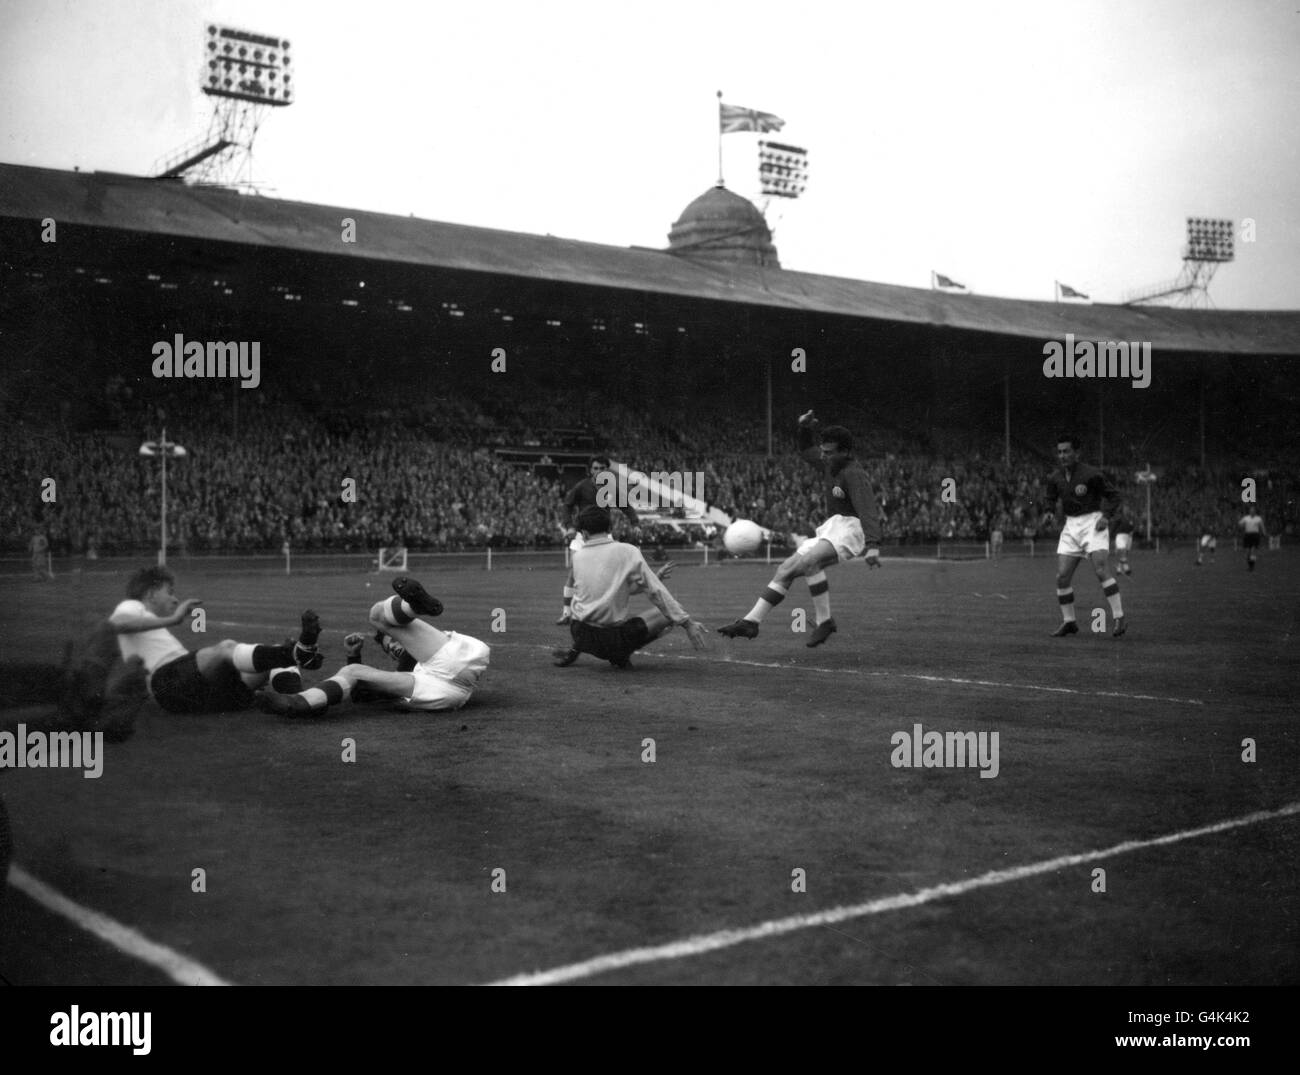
743, 538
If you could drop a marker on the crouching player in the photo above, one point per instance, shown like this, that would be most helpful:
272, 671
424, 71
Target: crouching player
605, 575
218, 677
437, 670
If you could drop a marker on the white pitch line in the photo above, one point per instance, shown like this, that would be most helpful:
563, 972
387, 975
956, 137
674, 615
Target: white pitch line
712, 942
180, 968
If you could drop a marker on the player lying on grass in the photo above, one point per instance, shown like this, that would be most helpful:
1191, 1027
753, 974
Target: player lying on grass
852, 529
436, 669
215, 678
606, 573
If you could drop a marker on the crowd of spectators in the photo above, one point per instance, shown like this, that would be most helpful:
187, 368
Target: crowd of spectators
354, 478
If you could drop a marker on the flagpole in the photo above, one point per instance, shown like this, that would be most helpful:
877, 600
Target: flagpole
720, 182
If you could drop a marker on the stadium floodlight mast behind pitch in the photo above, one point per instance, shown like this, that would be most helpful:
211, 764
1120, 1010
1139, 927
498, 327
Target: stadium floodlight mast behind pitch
162, 447
1209, 245
244, 74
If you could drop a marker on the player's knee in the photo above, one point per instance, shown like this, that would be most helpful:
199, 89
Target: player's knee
377, 612
1062, 580
226, 647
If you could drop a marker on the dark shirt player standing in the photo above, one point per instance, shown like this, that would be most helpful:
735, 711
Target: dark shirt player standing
1086, 496
853, 525
586, 494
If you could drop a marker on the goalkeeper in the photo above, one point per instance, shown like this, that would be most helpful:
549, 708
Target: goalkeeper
606, 573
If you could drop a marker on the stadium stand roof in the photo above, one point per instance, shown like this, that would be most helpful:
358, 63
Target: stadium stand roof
170, 208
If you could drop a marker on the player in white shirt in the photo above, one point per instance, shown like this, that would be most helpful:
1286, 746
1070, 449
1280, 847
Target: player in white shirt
215, 678
437, 670
1252, 526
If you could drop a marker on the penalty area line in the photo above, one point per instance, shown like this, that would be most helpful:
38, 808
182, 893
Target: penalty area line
179, 968
728, 938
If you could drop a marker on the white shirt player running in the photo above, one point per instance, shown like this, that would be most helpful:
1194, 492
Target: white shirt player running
156, 648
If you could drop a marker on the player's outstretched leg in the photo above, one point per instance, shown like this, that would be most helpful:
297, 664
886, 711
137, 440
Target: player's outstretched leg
1065, 566
820, 588
395, 618
314, 701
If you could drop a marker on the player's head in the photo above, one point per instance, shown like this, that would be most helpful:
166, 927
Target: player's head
594, 520
153, 587
836, 443
598, 465
1067, 448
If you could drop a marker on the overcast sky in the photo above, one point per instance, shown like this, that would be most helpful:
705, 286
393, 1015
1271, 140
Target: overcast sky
1006, 145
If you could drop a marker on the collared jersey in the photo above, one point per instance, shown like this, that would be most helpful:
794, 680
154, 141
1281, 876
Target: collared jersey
155, 647
1081, 491
606, 573
848, 490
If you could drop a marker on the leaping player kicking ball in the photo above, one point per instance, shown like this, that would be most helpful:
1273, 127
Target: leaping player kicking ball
852, 529
439, 669
1086, 495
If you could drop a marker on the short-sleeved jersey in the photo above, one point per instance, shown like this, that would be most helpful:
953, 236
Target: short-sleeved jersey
155, 647
1252, 524
848, 490
584, 495
1081, 491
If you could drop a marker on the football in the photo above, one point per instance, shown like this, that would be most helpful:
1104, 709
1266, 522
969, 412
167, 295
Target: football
743, 538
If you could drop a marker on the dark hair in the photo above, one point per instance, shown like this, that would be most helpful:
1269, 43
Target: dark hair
837, 435
146, 579
1070, 439
594, 519
603, 460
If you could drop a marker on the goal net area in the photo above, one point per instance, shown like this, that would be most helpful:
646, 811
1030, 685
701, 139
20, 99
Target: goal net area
392, 559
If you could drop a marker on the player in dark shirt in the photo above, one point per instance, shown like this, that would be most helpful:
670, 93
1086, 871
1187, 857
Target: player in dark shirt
852, 529
587, 494
1086, 497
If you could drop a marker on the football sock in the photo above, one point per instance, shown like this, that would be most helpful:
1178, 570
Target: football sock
1111, 589
772, 596
568, 598
1066, 598
821, 595
397, 612
249, 658
330, 692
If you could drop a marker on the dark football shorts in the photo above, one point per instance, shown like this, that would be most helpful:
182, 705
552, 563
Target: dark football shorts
178, 688
610, 643
1250, 541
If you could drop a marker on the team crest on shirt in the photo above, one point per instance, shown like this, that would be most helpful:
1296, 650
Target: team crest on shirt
837, 491
1080, 490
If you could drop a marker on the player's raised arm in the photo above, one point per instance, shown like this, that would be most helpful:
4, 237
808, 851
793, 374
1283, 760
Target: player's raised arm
809, 442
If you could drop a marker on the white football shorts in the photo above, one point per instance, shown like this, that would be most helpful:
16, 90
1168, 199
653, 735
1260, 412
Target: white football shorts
1079, 536
1123, 542
842, 531
448, 678
1208, 542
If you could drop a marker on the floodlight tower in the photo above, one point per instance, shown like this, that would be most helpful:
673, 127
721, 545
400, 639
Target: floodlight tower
1209, 245
245, 74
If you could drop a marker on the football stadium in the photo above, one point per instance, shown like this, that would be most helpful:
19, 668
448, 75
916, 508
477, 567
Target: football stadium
297, 406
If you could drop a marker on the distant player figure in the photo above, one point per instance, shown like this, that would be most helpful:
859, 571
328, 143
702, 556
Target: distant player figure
436, 670
1253, 532
606, 574
1085, 494
1207, 544
586, 495
215, 678
995, 540
1123, 531
853, 527
39, 547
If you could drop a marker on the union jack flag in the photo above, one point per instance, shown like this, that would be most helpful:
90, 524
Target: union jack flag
734, 118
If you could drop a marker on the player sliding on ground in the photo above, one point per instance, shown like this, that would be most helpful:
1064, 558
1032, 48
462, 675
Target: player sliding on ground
852, 529
218, 677
605, 575
437, 670
1086, 496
